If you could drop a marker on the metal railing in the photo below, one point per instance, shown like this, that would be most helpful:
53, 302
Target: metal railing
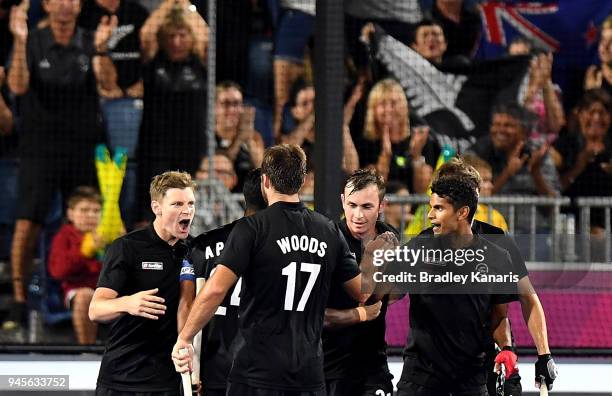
553, 240
585, 205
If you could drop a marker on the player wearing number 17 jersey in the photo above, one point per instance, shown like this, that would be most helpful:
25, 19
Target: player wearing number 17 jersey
218, 335
287, 256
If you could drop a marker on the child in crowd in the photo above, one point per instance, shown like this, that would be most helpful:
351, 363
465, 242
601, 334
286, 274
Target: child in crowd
73, 259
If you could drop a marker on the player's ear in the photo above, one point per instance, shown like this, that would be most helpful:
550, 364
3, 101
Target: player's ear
156, 207
383, 205
342, 198
463, 212
265, 180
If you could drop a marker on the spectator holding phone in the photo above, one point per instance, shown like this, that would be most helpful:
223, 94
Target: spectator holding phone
235, 131
519, 166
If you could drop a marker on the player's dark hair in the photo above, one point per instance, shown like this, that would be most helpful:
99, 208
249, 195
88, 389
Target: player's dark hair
83, 193
252, 191
456, 167
285, 165
363, 178
458, 187
423, 22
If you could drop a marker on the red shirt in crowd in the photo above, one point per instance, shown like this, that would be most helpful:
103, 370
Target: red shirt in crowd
68, 265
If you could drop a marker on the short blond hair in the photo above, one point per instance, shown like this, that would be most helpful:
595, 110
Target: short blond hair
167, 180
377, 94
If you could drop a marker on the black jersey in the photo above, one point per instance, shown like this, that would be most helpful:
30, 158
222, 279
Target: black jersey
137, 354
449, 333
287, 256
499, 238
358, 350
219, 333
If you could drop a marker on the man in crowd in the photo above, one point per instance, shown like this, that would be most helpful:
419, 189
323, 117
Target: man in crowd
56, 70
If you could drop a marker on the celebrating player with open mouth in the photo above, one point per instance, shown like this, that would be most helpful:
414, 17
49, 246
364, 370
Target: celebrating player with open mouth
140, 278
450, 330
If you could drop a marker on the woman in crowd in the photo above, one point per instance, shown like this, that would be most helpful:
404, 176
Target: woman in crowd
583, 154
388, 143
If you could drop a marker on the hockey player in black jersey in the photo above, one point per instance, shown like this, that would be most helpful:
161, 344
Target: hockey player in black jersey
287, 256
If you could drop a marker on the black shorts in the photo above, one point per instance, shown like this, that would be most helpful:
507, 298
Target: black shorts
411, 389
238, 389
379, 384
420, 378
40, 178
104, 391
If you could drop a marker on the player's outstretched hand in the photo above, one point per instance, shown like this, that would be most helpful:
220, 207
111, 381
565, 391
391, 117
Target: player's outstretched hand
182, 356
146, 304
545, 370
508, 358
384, 241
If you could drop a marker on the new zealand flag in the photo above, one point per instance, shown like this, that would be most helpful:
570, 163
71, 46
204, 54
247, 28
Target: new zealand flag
568, 28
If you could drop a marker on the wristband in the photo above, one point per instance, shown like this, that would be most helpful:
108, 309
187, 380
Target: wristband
508, 348
362, 314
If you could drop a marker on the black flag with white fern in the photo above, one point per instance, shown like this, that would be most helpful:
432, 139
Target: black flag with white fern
455, 100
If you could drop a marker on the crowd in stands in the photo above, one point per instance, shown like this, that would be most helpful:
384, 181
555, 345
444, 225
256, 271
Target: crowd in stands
132, 75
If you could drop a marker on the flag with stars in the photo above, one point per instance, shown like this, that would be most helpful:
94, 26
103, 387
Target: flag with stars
568, 28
